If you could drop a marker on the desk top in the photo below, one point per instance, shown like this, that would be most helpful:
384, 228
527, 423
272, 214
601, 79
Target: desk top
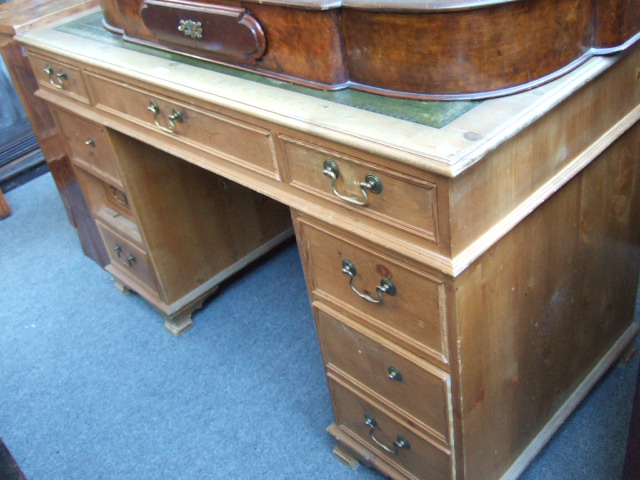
445, 138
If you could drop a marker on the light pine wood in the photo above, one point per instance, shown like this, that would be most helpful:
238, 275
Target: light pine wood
420, 390
537, 311
172, 231
510, 234
228, 137
423, 460
5, 209
415, 315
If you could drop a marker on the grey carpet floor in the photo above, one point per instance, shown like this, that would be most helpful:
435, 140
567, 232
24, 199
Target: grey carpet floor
92, 387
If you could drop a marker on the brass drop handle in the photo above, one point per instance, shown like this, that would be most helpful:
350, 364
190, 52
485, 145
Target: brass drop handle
386, 285
61, 77
176, 116
399, 444
371, 184
130, 261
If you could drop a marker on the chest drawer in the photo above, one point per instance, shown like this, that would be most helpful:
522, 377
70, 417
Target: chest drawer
392, 297
226, 137
387, 436
409, 383
126, 257
371, 191
89, 146
60, 77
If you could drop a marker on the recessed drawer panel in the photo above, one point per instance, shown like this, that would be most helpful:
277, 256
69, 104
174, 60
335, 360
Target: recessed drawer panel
127, 257
395, 298
88, 144
387, 436
409, 383
226, 137
60, 77
406, 202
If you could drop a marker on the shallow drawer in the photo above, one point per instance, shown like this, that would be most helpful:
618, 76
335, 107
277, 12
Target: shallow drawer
89, 146
388, 436
413, 310
223, 136
127, 257
60, 77
406, 202
407, 382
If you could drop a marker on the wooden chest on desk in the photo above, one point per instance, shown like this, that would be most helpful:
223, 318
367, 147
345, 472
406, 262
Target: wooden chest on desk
471, 278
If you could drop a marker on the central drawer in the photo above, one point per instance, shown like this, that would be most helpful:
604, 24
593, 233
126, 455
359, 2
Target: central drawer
226, 137
393, 298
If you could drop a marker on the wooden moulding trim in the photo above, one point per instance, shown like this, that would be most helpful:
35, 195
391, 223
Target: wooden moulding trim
460, 262
572, 402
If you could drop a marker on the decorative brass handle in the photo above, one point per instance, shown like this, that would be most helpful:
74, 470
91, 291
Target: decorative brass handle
190, 28
386, 285
371, 183
176, 116
61, 76
398, 444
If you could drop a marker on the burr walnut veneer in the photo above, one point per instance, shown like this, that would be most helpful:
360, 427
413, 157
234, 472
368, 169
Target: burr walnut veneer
470, 278
440, 49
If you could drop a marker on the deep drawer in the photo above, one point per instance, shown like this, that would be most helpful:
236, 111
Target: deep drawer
226, 137
60, 77
387, 436
405, 202
413, 313
407, 382
89, 146
127, 257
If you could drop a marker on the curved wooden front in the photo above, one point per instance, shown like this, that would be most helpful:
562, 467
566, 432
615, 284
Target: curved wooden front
449, 50
466, 52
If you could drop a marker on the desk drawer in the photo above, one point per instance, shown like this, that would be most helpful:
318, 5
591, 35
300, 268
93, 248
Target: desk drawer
382, 432
414, 315
127, 257
226, 137
60, 77
409, 383
405, 202
89, 146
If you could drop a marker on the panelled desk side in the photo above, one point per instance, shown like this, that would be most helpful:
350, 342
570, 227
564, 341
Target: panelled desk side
470, 304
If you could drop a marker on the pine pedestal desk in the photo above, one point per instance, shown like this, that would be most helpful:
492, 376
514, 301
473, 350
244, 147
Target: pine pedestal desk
472, 266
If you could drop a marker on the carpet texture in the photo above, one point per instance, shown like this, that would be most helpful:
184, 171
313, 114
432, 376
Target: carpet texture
93, 387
